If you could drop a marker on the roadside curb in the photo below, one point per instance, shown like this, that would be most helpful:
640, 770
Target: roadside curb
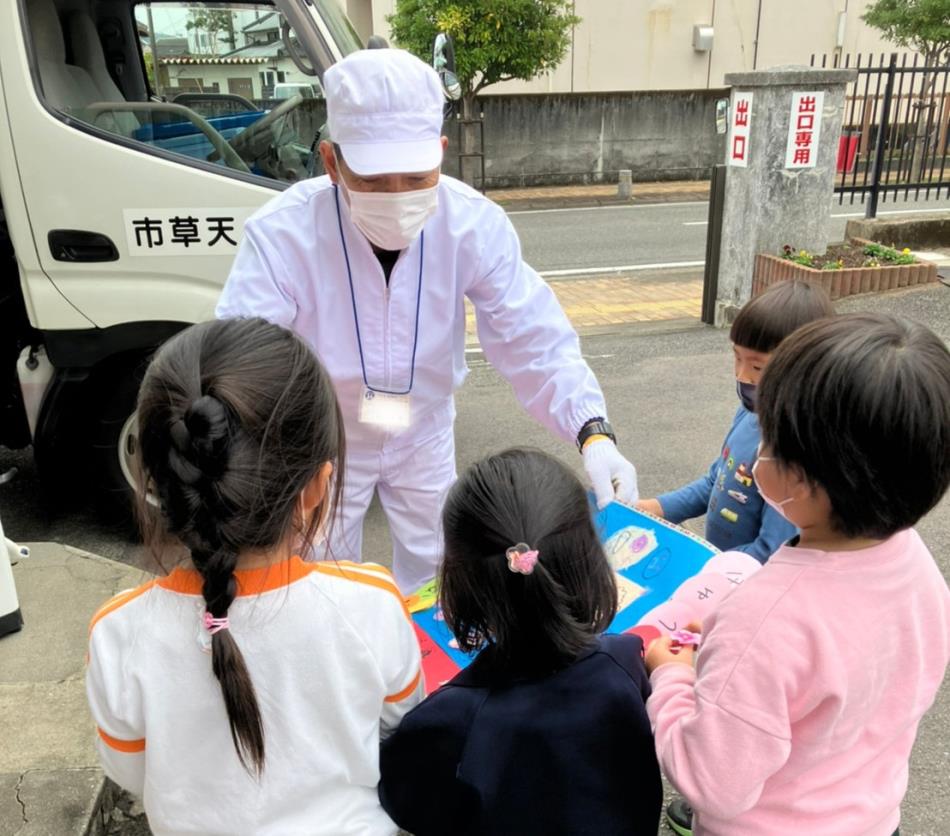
66, 802
631, 329
517, 204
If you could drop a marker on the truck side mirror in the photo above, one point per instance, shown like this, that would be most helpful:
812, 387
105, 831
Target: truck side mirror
722, 115
443, 60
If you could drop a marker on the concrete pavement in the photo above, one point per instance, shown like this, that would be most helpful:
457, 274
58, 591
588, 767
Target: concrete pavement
50, 781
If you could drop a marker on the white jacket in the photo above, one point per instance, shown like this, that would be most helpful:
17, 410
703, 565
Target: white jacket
291, 270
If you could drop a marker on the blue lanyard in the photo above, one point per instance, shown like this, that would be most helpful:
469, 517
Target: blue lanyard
356, 318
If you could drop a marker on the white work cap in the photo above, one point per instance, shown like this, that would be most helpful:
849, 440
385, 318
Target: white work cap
384, 110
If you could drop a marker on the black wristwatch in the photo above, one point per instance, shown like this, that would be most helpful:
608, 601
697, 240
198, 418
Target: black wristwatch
596, 426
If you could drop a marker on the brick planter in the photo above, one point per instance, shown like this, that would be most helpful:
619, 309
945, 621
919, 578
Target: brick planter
848, 281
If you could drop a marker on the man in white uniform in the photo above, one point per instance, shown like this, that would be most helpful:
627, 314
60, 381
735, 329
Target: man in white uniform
371, 266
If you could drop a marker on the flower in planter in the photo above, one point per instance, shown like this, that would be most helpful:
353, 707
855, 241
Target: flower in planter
889, 255
838, 264
802, 257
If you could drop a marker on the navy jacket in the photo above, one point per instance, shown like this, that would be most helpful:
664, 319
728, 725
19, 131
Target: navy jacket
569, 753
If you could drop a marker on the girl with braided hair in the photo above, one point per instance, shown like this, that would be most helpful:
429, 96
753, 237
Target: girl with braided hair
247, 691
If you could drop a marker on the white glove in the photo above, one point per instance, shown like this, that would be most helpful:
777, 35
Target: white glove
612, 476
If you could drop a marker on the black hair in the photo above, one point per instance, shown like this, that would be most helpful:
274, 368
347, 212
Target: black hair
770, 317
540, 621
235, 419
861, 404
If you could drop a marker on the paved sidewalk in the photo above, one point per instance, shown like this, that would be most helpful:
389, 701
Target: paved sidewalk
596, 303
604, 194
50, 780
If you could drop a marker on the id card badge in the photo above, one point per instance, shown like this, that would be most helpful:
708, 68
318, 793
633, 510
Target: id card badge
384, 409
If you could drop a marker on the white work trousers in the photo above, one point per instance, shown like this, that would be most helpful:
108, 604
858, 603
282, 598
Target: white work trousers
412, 482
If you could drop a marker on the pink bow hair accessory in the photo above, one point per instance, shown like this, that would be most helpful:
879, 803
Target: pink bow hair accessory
522, 559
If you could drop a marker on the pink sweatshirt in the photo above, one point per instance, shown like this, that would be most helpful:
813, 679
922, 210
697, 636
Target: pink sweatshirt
807, 693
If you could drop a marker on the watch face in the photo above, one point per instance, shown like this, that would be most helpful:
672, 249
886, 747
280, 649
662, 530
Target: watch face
597, 427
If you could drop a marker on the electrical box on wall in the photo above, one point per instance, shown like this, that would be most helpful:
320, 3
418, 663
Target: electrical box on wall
702, 38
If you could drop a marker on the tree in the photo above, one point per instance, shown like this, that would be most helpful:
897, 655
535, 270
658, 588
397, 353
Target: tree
495, 40
149, 60
213, 21
923, 25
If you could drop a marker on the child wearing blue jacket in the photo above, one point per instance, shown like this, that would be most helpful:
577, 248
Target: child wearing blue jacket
737, 519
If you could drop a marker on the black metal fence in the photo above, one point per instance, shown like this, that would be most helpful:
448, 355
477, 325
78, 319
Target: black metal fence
895, 131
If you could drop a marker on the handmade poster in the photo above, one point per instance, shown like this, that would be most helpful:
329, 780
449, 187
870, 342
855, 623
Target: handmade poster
666, 578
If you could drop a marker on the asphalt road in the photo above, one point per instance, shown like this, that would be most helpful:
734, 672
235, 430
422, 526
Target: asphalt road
671, 398
660, 233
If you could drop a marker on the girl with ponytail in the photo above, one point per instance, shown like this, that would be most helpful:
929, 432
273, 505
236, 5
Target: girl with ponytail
246, 691
546, 732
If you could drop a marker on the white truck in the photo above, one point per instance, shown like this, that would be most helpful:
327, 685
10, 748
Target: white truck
131, 153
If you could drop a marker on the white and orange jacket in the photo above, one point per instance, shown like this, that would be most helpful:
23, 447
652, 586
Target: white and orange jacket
335, 665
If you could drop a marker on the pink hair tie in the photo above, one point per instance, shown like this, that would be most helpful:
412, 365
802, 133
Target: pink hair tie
522, 559
215, 625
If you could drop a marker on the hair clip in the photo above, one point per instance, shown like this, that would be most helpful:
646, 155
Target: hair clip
215, 625
522, 558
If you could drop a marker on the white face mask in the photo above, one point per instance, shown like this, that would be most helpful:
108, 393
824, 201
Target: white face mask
392, 220
776, 506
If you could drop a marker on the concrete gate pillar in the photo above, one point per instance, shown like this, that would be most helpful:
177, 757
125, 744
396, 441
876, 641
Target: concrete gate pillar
778, 186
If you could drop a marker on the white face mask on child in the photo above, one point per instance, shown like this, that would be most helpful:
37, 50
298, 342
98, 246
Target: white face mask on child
778, 507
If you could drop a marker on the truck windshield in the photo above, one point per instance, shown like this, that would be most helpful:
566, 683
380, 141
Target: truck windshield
212, 81
228, 63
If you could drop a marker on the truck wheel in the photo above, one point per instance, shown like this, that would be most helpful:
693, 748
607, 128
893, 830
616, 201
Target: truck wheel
114, 449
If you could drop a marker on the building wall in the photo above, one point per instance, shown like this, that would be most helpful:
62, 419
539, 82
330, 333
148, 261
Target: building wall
647, 44
214, 74
562, 138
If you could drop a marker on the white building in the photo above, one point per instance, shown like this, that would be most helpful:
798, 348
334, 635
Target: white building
245, 56
649, 44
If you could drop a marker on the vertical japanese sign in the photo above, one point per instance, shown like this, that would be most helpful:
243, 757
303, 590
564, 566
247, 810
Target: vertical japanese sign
153, 232
740, 122
804, 128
